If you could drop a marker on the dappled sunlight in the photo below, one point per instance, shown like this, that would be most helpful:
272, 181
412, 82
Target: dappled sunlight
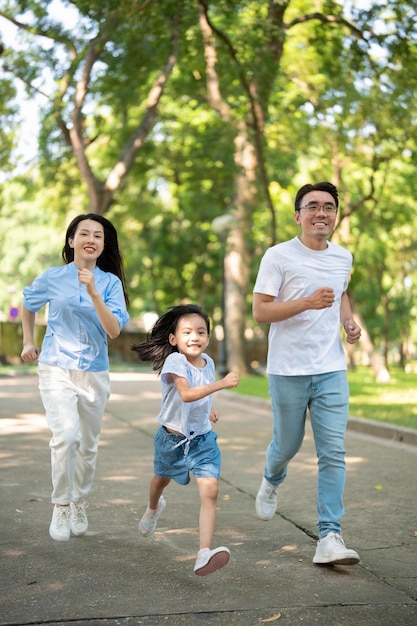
354, 460
170, 537
261, 418
303, 462
18, 381
289, 548
14, 553
23, 423
233, 443
112, 432
234, 536
127, 420
264, 563
6, 455
22, 394
144, 395
255, 470
124, 377
130, 419
117, 502
373, 504
56, 586
9, 461
185, 558
177, 531
119, 477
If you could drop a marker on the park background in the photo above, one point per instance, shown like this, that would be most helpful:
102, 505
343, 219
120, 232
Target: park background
191, 125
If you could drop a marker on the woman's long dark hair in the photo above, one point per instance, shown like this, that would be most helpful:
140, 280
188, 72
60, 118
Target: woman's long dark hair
157, 347
110, 259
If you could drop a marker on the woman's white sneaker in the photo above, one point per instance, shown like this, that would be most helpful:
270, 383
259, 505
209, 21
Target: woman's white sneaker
79, 519
331, 550
60, 527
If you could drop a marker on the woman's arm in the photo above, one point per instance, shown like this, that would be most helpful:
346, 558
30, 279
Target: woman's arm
30, 352
108, 320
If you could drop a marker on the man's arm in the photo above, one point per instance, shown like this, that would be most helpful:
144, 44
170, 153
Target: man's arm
353, 331
265, 309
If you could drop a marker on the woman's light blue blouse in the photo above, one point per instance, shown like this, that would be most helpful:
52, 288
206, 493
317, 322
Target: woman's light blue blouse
74, 337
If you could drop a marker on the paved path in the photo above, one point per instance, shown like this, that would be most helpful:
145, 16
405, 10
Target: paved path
112, 576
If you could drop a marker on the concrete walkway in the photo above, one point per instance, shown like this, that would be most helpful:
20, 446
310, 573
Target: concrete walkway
112, 576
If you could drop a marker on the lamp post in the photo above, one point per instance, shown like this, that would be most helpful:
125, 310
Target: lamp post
220, 226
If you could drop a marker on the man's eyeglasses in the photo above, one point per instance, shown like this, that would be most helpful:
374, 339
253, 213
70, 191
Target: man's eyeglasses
313, 207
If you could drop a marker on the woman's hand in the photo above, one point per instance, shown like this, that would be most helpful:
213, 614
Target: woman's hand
30, 353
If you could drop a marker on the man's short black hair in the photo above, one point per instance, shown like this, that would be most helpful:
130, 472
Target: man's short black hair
323, 186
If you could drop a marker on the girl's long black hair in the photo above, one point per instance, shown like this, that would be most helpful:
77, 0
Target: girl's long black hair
110, 259
157, 347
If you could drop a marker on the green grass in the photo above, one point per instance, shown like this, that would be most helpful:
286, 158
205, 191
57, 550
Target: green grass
394, 402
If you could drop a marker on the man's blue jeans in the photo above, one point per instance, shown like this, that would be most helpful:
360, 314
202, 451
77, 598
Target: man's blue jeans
327, 398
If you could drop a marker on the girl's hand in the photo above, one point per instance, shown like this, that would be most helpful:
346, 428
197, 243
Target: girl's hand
231, 380
30, 353
214, 416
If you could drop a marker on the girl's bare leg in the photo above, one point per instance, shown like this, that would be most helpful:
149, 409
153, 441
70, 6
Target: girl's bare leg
209, 560
208, 489
158, 484
156, 507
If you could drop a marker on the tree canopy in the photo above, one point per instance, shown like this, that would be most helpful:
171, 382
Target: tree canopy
167, 115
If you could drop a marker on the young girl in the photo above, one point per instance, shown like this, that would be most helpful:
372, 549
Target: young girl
185, 441
87, 301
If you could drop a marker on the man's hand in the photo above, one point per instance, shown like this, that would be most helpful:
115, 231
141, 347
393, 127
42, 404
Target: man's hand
353, 331
322, 298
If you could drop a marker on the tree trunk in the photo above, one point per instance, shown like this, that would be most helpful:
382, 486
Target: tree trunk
237, 265
382, 375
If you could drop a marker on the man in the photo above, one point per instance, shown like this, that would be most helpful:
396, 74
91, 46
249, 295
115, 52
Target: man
301, 291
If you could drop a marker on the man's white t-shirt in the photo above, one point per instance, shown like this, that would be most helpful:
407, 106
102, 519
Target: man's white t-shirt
308, 343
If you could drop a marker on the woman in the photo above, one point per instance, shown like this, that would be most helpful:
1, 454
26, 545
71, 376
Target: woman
87, 301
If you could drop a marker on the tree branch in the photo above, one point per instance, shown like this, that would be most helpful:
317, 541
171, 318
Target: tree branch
218, 103
135, 142
326, 19
49, 33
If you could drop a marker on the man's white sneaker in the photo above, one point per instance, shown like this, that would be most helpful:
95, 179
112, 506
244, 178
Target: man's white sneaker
60, 527
266, 500
79, 520
331, 550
